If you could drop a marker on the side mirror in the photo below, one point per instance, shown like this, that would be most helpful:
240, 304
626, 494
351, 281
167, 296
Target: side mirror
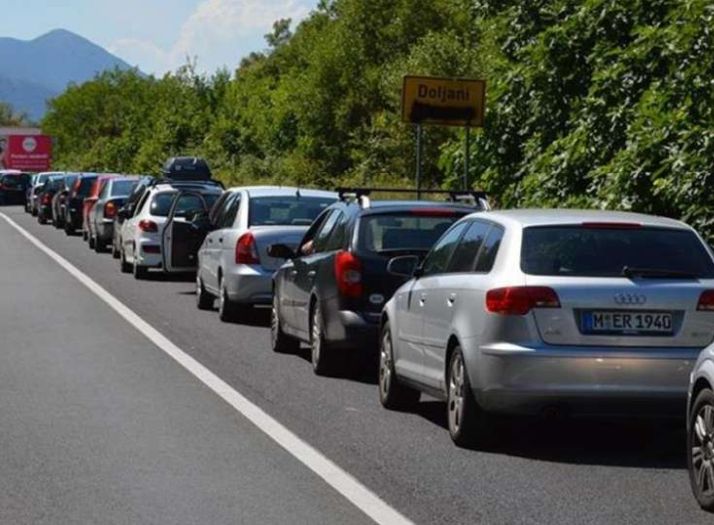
122, 214
281, 251
404, 265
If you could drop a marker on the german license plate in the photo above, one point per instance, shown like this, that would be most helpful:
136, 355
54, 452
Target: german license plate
627, 323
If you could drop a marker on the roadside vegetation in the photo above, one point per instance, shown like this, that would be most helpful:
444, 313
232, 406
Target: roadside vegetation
595, 103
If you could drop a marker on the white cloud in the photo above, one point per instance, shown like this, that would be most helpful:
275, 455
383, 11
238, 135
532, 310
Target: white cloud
219, 33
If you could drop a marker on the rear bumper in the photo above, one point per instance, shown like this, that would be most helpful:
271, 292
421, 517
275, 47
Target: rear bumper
248, 284
513, 379
349, 329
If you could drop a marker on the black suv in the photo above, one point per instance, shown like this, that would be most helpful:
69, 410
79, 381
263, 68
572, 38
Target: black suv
75, 202
330, 294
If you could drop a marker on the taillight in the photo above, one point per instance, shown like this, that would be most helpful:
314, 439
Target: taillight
62, 198
46, 198
246, 250
110, 210
706, 301
519, 300
148, 226
348, 273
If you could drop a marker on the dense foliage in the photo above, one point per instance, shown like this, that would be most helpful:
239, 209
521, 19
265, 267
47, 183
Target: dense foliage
598, 103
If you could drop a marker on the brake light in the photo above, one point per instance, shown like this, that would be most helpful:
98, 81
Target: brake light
246, 250
706, 301
519, 300
148, 226
348, 274
434, 212
110, 210
46, 198
612, 225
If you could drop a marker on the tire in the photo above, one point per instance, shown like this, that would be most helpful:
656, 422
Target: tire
99, 246
204, 300
700, 449
68, 228
90, 241
124, 266
227, 311
41, 219
140, 272
392, 394
321, 353
279, 340
115, 250
467, 422
35, 213
85, 236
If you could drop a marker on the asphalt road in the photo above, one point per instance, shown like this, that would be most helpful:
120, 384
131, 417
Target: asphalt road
98, 426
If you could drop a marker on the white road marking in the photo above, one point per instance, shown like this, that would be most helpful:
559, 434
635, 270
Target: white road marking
343, 482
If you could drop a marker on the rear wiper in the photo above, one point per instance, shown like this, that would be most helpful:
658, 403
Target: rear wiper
655, 273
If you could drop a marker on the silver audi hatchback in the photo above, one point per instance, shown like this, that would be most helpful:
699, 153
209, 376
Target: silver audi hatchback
532, 311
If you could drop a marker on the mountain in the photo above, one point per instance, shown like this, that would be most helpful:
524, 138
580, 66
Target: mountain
34, 71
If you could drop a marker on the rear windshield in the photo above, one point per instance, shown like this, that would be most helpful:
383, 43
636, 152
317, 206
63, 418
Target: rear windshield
403, 232
161, 203
286, 210
85, 184
606, 252
41, 179
123, 187
12, 180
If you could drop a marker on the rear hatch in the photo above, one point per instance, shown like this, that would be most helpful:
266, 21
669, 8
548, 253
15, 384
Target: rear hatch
265, 236
621, 285
388, 234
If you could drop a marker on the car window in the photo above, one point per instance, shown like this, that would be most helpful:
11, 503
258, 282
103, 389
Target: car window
286, 210
406, 231
437, 260
231, 212
189, 203
161, 203
105, 190
85, 185
489, 250
219, 207
464, 257
121, 188
320, 243
578, 251
338, 235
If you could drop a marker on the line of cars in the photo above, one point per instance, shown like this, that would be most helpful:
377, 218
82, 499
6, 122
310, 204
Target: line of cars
516, 312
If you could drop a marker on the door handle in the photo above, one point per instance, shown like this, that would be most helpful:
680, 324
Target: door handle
311, 273
451, 300
422, 299
220, 239
293, 273
210, 241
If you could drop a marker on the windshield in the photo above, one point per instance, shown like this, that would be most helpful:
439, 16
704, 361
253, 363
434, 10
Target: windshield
123, 187
404, 232
578, 251
286, 210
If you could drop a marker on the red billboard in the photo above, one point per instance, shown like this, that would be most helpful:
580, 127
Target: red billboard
27, 152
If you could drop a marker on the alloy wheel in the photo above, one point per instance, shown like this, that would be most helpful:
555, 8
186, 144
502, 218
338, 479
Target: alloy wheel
703, 450
316, 339
456, 393
385, 365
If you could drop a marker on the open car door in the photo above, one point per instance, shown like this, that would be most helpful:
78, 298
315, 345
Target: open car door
186, 227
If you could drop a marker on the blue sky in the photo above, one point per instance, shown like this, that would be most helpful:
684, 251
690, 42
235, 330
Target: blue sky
157, 35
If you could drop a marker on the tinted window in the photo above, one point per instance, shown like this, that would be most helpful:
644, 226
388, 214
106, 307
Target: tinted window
338, 236
489, 250
161, 204
604, 252
12, 180
321, 240
286, 210
403, 231
464, 258
438, 259
187, 204
85, 184
122, 187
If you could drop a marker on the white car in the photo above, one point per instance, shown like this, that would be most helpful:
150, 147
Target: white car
141, 234
233, 261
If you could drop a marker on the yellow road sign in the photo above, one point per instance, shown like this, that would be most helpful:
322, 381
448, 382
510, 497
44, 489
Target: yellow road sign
443, 101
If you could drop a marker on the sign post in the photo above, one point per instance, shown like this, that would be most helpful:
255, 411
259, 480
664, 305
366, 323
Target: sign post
443, 102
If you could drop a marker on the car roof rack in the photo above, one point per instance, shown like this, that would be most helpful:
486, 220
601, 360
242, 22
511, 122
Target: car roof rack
466, 197
185, 182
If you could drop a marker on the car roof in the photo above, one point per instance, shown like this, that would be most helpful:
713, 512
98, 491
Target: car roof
276, 191
390, 206
554, 217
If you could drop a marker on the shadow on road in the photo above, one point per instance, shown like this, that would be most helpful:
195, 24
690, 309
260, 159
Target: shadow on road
639, 443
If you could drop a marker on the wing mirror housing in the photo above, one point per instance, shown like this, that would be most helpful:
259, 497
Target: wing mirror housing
122, 213
281, 251
404, 266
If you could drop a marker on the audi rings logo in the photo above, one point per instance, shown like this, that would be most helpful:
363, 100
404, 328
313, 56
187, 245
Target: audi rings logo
630, 299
